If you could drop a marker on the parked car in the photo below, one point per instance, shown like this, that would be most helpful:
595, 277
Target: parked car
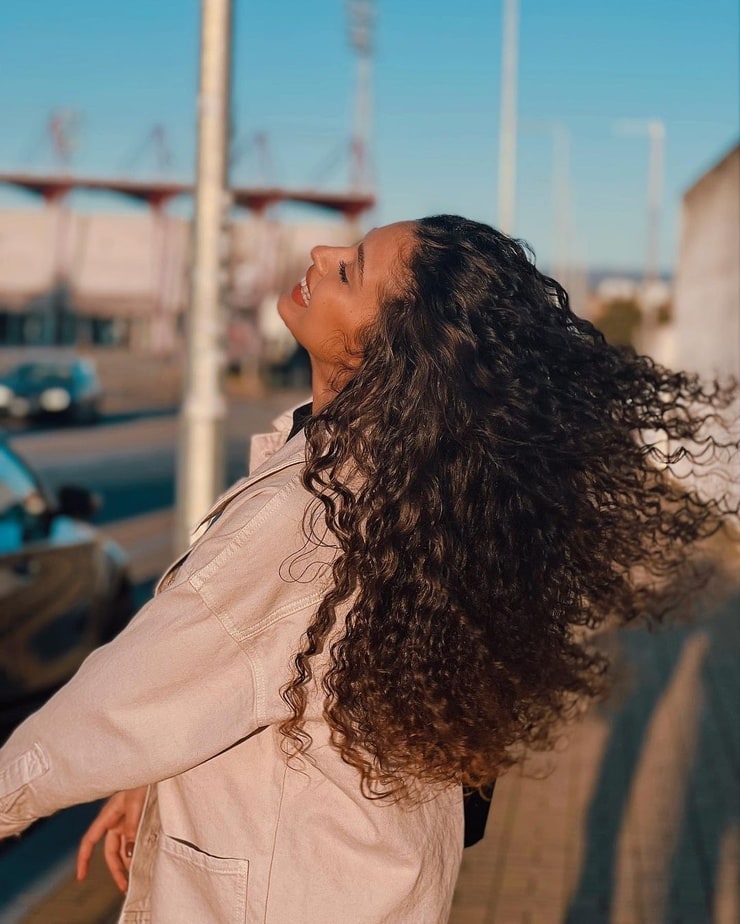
67, 387
64, 588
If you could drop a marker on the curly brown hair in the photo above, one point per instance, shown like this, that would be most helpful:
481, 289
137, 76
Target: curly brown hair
497, 477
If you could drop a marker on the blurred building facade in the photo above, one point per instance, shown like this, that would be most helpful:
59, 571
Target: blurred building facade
706, 326
123, 278
692, 323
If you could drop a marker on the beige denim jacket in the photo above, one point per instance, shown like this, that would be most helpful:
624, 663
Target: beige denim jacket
188, 695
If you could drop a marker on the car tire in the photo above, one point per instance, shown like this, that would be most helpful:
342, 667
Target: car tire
86, 413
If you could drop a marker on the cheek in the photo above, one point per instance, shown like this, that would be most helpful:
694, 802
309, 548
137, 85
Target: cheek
358, 317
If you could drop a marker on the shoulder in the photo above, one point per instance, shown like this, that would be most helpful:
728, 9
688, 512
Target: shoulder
267, 556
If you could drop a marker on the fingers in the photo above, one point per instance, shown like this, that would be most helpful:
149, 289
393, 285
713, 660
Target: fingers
112, 851
118, 822
133, 807
109, 816
127, 852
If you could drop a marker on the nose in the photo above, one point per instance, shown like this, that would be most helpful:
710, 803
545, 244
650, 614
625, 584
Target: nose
323, 255
320, 256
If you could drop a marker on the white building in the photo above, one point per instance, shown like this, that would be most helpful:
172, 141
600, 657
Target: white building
94, 276
707, 286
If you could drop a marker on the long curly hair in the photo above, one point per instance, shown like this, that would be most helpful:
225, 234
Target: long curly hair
499, 479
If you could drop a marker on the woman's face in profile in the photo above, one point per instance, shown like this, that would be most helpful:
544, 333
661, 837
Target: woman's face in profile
339, 293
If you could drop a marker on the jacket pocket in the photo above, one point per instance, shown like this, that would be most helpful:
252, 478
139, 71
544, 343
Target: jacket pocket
193, 887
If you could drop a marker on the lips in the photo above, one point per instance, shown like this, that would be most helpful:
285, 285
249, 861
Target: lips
301, 293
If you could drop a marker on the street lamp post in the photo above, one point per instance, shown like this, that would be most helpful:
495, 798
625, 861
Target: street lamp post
656, 134
655, 131
201, 468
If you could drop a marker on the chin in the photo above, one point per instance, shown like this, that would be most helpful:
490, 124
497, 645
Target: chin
287, 309
283, 308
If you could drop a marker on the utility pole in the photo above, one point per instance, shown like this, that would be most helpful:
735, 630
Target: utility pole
507, 129
200, 469
562, 221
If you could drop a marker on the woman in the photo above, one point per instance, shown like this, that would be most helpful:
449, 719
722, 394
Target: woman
391, 607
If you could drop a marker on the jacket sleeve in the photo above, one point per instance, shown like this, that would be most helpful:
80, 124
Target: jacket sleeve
172, 690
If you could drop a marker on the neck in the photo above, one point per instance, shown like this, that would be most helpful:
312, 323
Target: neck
321, 391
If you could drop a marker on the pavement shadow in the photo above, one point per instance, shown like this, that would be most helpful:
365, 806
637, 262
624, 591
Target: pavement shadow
629, 720
647, 663
711, 813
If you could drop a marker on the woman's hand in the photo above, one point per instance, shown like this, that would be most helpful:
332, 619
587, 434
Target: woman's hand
118, 820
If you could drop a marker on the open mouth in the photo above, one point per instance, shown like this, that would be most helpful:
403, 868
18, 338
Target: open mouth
301, 294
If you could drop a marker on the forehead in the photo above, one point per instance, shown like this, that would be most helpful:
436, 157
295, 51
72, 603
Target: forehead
386, 245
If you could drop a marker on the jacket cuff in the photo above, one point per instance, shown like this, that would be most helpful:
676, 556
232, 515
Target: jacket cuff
15, 779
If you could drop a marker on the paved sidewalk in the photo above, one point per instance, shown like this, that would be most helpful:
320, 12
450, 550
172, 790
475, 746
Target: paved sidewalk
634, 820
638, 821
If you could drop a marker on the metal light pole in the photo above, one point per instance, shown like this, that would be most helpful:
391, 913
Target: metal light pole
562, 229
200, 469
507, 130
562, 224
656, 134
655, 130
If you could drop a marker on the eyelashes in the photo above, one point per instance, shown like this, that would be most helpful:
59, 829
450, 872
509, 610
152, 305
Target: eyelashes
343, 272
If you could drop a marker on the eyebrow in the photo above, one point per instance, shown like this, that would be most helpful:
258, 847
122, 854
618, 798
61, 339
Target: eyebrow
361, 262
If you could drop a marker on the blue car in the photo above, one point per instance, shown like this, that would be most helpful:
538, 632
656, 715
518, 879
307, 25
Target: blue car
67, 388
64, 588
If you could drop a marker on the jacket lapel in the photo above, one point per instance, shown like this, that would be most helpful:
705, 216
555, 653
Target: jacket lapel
290, 453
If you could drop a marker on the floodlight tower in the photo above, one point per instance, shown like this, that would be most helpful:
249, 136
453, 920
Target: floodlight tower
361, 15
507, 127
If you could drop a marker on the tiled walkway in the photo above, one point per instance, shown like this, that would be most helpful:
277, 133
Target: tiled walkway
638, 820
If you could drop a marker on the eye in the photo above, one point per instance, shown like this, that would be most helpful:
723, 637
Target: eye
343, 272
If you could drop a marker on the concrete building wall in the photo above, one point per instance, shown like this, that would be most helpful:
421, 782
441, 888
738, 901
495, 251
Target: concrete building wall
27, 253
132, 270
707, 287
128, 263
104, 257
117, 257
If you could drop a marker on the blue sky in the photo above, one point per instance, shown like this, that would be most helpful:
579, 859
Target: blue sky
128, 66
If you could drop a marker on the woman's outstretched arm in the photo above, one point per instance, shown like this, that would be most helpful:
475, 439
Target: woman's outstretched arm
173, 689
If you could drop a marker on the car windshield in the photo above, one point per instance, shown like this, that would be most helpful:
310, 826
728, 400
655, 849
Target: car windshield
32, 373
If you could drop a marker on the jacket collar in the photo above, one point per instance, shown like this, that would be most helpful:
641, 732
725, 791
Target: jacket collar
265, 445
269, 453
